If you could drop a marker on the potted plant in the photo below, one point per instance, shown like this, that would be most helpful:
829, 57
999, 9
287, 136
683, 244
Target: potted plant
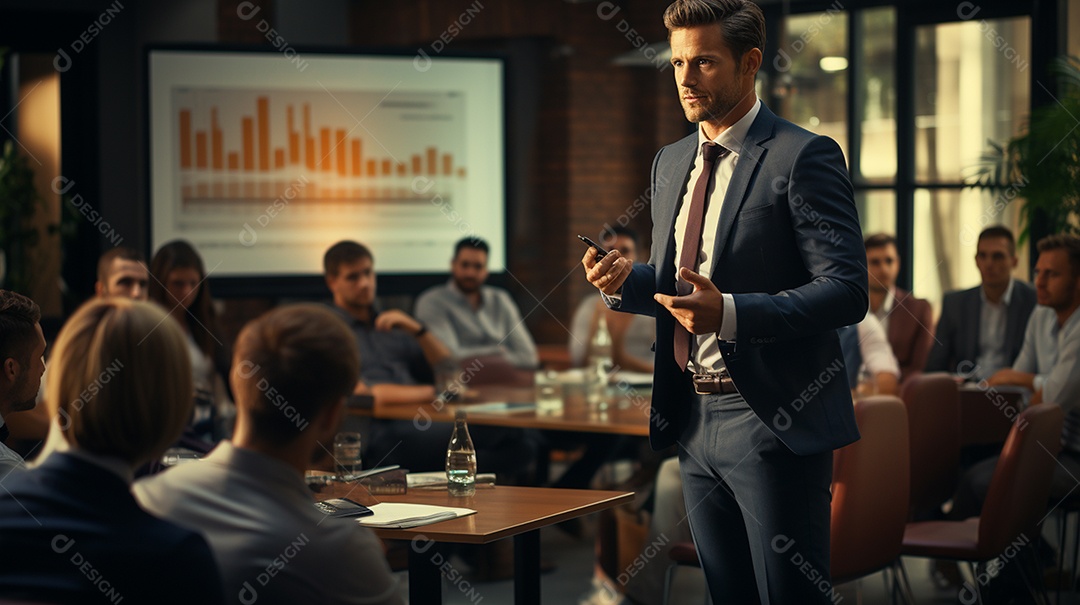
18, 203
1042, 165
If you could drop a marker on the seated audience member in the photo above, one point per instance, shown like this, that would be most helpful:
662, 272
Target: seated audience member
472, 319
866, 347
908, 321
632, 335
22, 350
179, 285
249, 497
1048, 364
981, 329
121, 272
399, 354
120, 391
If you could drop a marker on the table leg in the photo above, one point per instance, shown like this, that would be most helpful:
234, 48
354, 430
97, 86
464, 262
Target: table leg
527, 568
425, 579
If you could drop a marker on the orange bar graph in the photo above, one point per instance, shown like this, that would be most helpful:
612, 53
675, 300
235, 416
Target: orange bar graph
447, 164
185, 138
279, 158
325, 162
402, 169
340, 147
309, 141
371, 166
417, 164
387, 167
294, 137
248, 152
356, 147
217, 146
200, 149
263, 115
432, 157
234, 160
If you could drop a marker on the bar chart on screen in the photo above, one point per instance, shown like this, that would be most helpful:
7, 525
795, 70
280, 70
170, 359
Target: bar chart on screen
241, 147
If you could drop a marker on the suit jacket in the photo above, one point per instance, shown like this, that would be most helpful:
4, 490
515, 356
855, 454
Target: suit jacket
71, 532
911, 332
958, 328
789, 249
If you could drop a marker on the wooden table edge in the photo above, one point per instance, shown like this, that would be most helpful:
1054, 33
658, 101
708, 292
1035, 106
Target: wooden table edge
432, 532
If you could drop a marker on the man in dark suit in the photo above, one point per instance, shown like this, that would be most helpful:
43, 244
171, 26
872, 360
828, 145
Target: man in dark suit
981, 329
771, 267
909, 321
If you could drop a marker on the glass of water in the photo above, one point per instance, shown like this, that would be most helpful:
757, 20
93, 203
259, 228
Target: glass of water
346, 455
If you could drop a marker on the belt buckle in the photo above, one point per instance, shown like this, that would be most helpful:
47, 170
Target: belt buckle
713, 383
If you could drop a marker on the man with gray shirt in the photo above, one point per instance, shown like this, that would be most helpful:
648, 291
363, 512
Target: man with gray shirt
472, 319
291, 372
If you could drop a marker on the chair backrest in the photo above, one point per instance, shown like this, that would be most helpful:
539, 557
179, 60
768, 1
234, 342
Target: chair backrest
1020, 487
870, 491
933, 412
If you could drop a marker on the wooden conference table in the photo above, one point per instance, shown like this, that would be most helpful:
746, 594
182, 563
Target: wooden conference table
501, 512
627, 410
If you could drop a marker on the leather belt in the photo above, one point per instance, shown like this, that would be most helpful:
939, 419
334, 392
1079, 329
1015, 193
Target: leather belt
714, 383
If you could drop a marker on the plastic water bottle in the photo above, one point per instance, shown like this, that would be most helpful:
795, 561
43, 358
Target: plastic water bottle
460, 459
599, 362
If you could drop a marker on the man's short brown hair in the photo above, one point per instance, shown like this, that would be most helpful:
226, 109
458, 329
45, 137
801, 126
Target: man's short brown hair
999, 232
19, 317
880, 240
289, 365
344, 252
104, 266
741, 21
1069, 243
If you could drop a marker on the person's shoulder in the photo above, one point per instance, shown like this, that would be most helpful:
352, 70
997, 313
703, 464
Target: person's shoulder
954, 298
908, 299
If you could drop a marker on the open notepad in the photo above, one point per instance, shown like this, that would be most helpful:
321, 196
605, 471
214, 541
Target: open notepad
401, 515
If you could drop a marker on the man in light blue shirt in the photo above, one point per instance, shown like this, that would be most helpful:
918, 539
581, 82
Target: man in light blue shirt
1048, 365
472, 319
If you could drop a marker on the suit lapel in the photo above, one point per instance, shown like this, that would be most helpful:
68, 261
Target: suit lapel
671, 178
972, 331
750, 158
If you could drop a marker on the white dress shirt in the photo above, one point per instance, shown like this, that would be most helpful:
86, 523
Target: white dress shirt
705, 353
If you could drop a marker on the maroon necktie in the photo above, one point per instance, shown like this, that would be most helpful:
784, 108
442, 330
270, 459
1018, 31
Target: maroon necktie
691, 244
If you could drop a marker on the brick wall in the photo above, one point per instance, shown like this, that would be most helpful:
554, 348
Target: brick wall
589, 144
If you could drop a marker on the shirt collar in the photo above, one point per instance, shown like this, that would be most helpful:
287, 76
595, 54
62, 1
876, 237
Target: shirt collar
890, 300
733, 137
1005, 298
453, 287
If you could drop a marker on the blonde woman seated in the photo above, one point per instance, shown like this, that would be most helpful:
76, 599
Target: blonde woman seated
119, 391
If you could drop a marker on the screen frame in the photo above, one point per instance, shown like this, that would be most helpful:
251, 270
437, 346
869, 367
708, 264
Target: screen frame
312, 286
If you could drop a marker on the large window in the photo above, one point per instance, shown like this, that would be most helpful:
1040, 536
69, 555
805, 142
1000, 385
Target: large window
966, 83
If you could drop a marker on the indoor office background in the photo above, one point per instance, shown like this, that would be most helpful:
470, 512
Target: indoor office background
912, 91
